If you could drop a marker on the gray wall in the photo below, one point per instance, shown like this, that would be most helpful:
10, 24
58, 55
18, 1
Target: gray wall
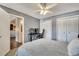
53, 18
29, 22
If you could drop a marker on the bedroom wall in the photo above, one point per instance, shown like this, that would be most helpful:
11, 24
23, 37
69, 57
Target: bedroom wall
50, 27
4, 32
29, 22
53, 20
47, 26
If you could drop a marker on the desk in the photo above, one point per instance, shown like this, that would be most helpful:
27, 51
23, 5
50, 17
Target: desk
33, 36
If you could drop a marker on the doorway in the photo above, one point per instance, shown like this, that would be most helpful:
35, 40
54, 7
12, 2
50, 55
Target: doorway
16, 31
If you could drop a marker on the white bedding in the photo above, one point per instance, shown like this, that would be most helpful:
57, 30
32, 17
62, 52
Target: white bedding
43, 47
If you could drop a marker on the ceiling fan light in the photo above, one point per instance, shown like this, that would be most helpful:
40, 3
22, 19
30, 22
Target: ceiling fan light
45, 12
41, 12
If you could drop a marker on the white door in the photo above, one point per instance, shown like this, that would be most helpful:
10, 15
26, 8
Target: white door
4, 32
72, 28
61, 30
67, 28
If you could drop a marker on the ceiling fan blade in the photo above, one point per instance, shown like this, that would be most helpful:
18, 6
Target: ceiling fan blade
40, 6
51, 6
49, 12
37, 11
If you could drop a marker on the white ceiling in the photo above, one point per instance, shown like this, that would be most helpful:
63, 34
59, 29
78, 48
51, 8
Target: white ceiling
30, 8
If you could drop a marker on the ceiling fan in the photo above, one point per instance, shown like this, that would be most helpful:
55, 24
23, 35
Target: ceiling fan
45, 8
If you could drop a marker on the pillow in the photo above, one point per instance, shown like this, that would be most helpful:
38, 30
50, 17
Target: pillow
73, 47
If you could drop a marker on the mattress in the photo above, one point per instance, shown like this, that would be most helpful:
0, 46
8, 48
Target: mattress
43, 47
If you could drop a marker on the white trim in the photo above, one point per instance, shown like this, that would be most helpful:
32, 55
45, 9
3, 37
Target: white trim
67, 17
16, 15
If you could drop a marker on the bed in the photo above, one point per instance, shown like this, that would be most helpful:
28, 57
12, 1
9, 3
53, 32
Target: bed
43, 47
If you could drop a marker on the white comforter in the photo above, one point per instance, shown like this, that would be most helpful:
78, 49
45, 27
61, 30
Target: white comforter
43, 47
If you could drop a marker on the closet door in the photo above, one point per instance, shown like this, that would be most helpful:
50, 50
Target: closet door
67, 28
61, 30
72, 28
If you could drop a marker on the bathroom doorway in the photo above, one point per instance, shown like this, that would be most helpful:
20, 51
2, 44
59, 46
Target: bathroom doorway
16, 31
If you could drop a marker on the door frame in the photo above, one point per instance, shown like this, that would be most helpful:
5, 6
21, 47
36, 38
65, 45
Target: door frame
22, 25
